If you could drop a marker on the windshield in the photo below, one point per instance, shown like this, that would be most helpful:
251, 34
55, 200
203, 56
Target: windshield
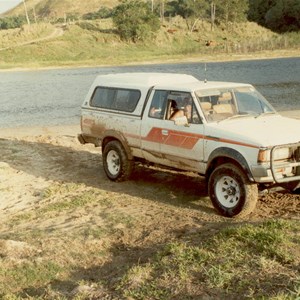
222, 104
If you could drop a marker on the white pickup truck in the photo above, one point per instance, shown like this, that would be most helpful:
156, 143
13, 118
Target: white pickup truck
224, 131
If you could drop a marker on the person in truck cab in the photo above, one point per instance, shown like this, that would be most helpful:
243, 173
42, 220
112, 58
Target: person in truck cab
186, 110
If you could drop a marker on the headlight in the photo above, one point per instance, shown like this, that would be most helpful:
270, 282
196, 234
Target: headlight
264, 155
282, 153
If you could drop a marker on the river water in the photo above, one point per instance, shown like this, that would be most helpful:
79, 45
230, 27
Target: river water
54, 97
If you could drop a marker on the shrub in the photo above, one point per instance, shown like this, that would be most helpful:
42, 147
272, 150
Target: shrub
134, 20
12, 22
102, 13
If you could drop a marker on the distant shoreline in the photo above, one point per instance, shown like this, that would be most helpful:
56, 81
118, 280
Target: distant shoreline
264, 55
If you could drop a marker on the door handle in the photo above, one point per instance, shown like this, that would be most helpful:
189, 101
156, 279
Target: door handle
165, 132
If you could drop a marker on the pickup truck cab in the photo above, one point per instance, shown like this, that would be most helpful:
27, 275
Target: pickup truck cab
224, 131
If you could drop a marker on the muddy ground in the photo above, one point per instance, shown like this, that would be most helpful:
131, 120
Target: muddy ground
34, 158
164, 204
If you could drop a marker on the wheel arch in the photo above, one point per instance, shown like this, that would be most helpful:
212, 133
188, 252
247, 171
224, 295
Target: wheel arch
111, 135
227, 155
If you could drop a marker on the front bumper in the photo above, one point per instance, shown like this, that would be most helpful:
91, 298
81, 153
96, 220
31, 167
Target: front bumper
279, 171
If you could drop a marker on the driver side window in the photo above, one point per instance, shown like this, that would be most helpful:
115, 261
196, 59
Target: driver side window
170, 105
158, 105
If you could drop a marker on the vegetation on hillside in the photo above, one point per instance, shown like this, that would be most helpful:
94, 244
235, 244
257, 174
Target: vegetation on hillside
278, 15
134, 20
135, 31
12, 22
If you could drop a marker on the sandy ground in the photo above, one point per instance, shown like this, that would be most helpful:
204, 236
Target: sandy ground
34, 158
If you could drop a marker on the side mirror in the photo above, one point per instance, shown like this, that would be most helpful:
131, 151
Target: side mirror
181, 121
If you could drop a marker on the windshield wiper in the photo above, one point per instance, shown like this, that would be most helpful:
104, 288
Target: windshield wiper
266, 113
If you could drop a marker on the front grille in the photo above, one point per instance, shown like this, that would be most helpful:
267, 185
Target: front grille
287, 169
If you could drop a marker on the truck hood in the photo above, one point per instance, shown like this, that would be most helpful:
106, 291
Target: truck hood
262, 131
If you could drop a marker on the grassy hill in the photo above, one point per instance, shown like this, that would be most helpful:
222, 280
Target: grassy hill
57, 8
96, 43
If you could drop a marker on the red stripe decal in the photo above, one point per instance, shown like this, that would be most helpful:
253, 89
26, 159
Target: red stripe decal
183, 139
173, 138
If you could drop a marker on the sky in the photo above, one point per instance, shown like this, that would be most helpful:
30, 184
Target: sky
5, 5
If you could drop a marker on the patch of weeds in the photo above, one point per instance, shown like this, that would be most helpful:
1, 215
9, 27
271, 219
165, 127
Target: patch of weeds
248, 260
139, 283
70, 203
71, 196
20, 218
138, 275
219, 276
172, 268
15, 277
268, 239
61, 189
148, 291
182, 255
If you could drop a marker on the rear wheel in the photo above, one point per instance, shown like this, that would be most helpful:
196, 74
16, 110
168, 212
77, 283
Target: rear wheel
231, 192
116, 164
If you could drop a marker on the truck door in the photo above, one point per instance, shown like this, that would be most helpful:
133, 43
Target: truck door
179, 146
152, 124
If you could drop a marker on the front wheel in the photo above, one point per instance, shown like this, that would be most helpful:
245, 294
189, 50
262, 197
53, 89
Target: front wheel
231, 192
116, 164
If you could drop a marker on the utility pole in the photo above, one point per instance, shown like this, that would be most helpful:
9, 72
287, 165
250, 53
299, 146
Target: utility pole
26, 13
212, 15
162, 10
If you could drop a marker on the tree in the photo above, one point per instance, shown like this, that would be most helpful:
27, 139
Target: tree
191, 10
278, 15
258, 9
284, 16
134, 20
231, 11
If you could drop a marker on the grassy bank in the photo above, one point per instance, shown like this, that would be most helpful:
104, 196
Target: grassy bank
96, 43
110, 253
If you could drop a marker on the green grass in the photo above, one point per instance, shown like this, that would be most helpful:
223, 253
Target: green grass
247, 260
13, 37
28, 274
235, 261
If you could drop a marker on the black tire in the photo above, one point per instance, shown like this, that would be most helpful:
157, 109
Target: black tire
231, 192
116, 164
